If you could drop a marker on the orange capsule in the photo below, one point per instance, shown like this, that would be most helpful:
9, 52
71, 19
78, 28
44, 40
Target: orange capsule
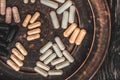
26, 20
33, 37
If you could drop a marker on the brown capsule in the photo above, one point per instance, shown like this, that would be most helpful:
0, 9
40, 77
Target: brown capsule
34, 31
35, 17
8, 15
26, 20
2, 7
33, 37
34, 25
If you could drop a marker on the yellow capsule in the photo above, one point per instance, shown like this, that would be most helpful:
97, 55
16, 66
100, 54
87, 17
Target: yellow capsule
8, 18
26, 20
34, 25
35, 17
33, 37
34, 31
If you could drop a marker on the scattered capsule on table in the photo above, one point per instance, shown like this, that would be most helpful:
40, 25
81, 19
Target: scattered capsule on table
34, 17
46, 47
46, 54
13, 65
57, 50
49, 3
55, 72
43, 66
34, 31
68, 56
74, 35
72, 14
50, 58
16, 60
26, 1
8, 18
65, 19
69, 30
26, 20
65, 6
60, 1
41, 71
2, 7
57, 61
33, 37
80, 37
33, 1
21, 48
34, 25
54, 19
16, 14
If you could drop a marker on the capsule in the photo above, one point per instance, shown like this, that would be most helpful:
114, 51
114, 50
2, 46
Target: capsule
43, 66
35, 17
2, 7
46, 54
50, 58
26, 1
34, 31
33, 1
16, 14
46, 47
21, 48
57, 61
8, 18
69, 30
57, 50
74, 35
60, 43
34, 25
18, 54
49, 3
41, 71
68, 56
60, 1
55, 72
62, 65
65, 6
54, 19
33, 37
26, 20
72, 14
65, 20
80, 37
13, 65
16, 60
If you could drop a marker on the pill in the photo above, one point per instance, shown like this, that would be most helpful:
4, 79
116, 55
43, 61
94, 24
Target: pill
34, 25
2, 7
18, 54
49, 3
43, 66
16, 60
50, 58
65, 6
25, 1
62, 65
65, 20
16, 14
8, 18
60, 1
34, 17
57, 50
74, 35
57, 61
46, 47
69, 30
34, 31
33, 1
13, 65
41, 71
46, 54
54, 19
55, 72
26, 20
21, 48
68, 56
59, 43
72, 14
33, 37
80, 37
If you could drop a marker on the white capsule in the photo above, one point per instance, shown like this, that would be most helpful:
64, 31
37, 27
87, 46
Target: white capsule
57, 61
8, 18
54, 19
68, 56
46, 54
43, 66
41, 71
46, 47
57, 50
62, 65
65, 20
65, 6
55, 72
50, 3
2, 7
26, 1
60, 1
50, 58
72, 14
33, 1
